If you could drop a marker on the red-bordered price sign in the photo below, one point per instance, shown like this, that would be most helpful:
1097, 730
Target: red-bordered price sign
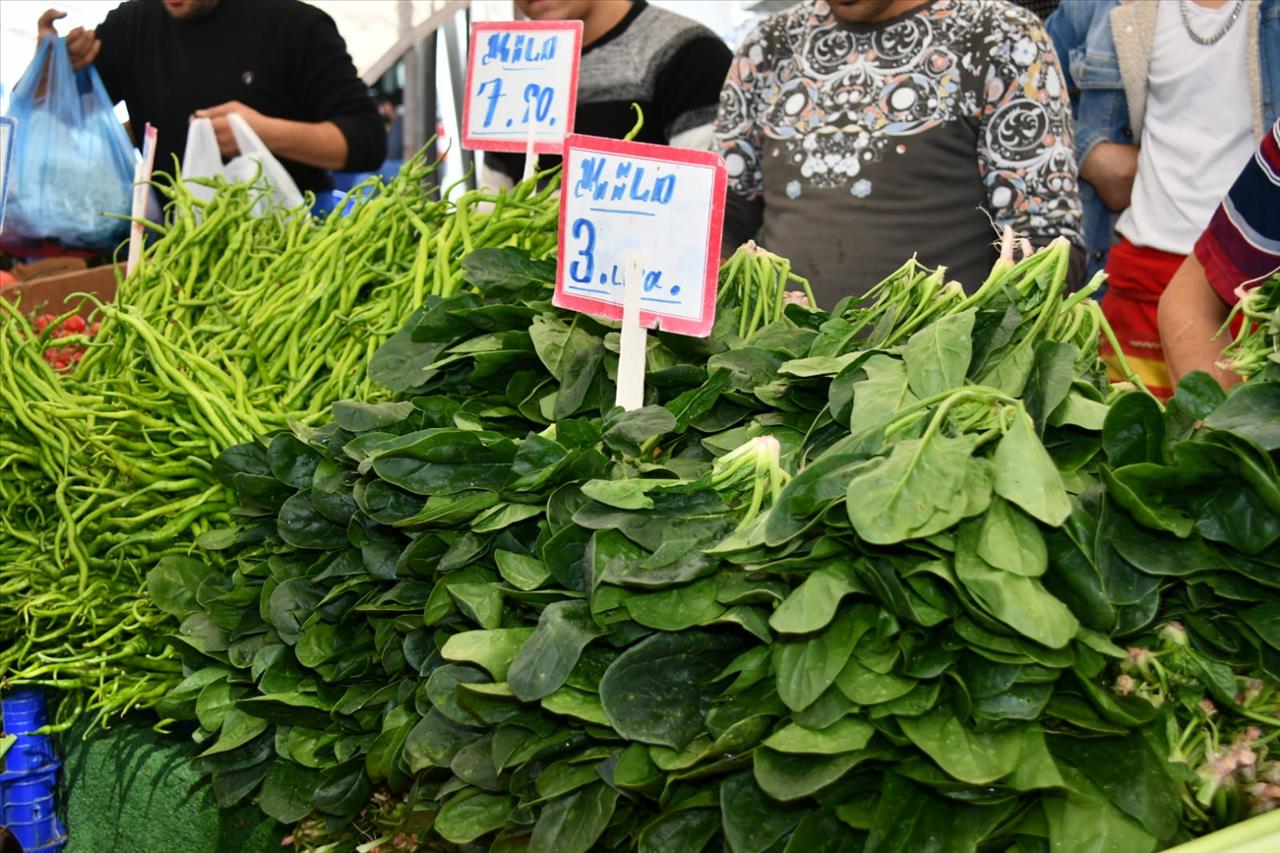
522, 81
665, 205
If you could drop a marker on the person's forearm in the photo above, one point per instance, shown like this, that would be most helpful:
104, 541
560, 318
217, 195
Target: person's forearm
1190, 316
1110, 168
320, 144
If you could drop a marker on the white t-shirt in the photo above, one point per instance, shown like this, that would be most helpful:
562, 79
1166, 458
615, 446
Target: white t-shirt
1198, 130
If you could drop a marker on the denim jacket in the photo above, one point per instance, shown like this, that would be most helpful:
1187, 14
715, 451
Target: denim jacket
1108, 84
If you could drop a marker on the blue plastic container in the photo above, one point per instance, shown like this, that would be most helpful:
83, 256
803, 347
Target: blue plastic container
30, 752
28, 809
51, 847
327, 202
29, 780
23, 711
39, 811
43, 834
24, 791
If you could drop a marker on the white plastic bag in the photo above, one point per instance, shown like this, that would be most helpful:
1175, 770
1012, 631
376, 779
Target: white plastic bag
202, 159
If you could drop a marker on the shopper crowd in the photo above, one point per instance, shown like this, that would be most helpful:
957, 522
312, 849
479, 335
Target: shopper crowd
1173, 99
855, 132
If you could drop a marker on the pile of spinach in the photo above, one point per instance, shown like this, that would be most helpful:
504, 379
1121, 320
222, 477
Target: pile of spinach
852, 581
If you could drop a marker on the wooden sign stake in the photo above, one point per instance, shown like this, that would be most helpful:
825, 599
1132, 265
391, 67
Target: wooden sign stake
141, 178
530, 157
631, 359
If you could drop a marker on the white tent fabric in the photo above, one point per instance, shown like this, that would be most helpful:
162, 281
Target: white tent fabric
370, 27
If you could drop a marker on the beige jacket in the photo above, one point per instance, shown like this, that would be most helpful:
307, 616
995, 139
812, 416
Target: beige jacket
1133, 29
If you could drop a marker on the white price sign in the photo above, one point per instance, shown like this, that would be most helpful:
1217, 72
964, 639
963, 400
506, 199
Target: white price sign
664, 207
8, 128
522, 84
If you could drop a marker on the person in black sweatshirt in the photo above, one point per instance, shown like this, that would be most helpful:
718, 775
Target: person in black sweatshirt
280, 64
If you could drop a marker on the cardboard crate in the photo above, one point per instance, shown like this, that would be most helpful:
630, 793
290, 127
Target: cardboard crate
55, 293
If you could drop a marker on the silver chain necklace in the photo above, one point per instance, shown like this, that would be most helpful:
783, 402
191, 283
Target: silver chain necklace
1216, 37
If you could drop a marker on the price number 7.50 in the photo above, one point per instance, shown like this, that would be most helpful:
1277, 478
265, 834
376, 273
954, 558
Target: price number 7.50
537, 99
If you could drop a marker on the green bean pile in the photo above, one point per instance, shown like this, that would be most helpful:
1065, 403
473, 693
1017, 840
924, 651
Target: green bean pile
232, 326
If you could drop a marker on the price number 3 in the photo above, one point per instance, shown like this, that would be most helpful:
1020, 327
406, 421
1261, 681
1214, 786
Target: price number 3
583, 267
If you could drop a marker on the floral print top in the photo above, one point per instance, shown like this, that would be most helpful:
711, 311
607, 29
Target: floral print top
852, 147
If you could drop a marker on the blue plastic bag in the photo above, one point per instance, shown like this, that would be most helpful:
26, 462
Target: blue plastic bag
72, 161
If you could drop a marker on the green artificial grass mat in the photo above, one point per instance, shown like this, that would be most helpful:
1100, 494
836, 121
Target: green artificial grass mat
129, 788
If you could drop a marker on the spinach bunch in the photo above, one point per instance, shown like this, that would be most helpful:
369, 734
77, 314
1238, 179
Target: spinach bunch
1255, 349
850, 581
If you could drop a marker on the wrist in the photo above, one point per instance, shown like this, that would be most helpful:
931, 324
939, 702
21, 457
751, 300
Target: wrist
1093, 165
1087, 140
269, 130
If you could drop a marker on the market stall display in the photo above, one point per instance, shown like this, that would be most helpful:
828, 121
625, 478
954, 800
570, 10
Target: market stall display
233, 325
352, 497
807, 597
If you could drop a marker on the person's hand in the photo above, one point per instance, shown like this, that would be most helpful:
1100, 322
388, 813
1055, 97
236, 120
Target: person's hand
44, 27
83, 45
222, 125
1110, 169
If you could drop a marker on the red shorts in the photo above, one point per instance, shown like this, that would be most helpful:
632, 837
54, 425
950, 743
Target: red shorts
1136, 277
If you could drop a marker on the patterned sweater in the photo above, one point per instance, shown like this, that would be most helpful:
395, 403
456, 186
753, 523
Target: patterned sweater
852, 147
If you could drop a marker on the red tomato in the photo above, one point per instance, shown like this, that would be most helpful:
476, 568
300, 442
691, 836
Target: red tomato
74, 324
